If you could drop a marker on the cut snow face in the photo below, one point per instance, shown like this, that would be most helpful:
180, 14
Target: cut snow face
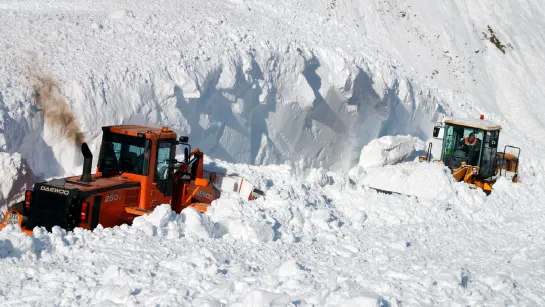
241, 82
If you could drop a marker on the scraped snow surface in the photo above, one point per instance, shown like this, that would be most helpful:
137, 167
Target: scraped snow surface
307, 99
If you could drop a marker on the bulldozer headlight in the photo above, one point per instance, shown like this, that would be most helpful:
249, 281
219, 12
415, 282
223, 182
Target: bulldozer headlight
475, 171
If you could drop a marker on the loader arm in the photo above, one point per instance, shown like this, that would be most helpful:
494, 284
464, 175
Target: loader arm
189, 186
459, 174
197, 164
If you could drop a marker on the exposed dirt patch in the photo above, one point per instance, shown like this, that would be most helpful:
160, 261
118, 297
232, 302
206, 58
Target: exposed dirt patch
494, 40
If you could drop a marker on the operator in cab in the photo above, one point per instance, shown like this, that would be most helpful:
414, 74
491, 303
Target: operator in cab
471, 146
141, 163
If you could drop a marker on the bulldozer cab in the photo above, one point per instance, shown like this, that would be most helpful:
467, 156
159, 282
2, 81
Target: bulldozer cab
473, 143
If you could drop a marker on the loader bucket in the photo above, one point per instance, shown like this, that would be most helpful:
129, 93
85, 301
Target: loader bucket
234, 183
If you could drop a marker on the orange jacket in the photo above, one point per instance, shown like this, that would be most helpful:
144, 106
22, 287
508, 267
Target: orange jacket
467, 142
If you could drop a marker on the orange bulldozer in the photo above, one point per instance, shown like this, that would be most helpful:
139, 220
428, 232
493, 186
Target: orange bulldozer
136, 172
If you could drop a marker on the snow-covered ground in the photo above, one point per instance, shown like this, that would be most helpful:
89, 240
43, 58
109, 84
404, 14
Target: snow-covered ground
301, 87
322, 240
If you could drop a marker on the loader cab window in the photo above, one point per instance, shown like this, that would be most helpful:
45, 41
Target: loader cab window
462, 144
124, 154
163, 169
489, 154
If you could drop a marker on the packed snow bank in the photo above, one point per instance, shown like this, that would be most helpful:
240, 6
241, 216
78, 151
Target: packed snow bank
390, 150
15, 179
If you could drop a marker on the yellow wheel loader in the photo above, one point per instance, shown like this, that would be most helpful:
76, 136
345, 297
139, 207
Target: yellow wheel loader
469, 148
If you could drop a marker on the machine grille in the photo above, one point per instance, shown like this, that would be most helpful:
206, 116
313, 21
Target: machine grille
51, 209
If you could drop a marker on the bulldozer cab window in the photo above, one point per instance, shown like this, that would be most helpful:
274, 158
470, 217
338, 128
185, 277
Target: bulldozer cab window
458, 146
124, 154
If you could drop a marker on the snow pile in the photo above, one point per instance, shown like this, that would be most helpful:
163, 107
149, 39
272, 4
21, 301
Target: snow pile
164, 222
16, 178
431, 181
390, 150
282, 215
318, 177
243, 222
384, 166
337, 244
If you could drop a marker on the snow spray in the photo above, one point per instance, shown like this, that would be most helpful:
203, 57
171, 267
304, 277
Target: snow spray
55, 109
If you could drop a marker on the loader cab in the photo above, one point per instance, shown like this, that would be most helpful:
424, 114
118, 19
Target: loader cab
124, 153
141, 154
163, 173
471, 142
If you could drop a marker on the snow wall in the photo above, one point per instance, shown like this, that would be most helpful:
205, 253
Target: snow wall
309, 107
255, 82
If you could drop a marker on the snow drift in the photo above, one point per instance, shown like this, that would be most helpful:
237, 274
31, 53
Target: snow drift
384, 165
352, 244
